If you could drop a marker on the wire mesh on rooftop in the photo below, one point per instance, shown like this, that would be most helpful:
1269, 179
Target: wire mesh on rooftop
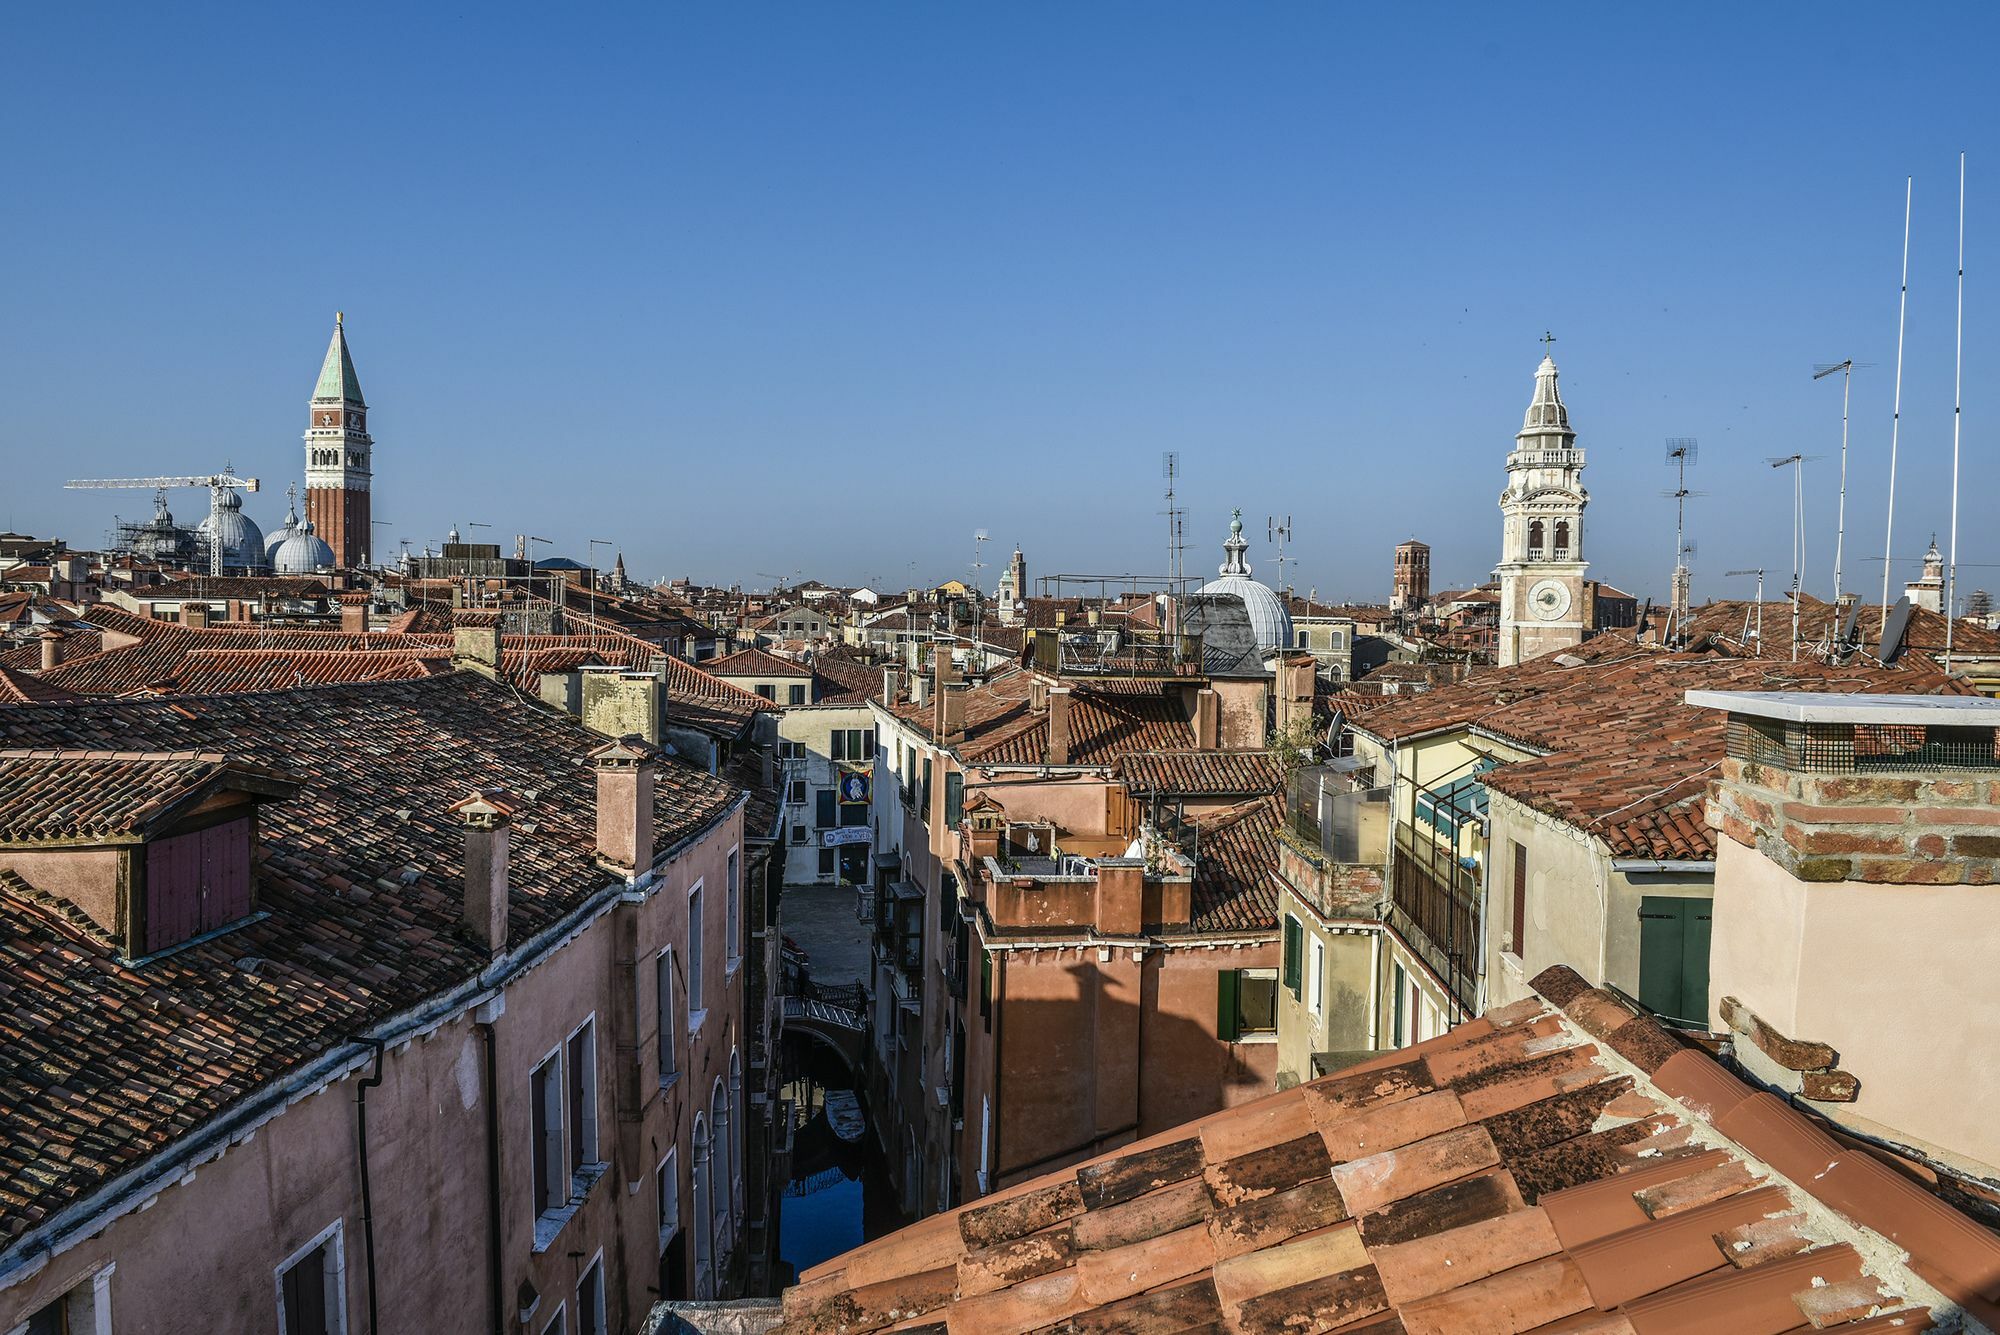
1851, 748
1325, 809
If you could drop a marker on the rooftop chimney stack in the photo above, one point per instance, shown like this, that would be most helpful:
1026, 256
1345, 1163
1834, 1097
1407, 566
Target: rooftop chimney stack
1207, 719
354, 613
626, 771
475, 641
487, 814
1059, 725
51, 648
194, 615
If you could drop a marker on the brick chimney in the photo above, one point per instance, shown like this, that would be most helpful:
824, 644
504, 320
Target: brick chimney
1295, 689
1059, 725
51, 648
1857, 855
486, 814
194, 615
626, 770
1207, 719
475, 641
622, 703
354, 613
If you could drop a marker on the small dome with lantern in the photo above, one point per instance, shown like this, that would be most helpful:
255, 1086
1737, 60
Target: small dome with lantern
241, 540
1269, 620
302, 553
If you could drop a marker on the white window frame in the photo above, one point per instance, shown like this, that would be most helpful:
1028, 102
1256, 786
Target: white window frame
697, 978
87, 1304
336, 1278
591, 1150
666, 1049
733, 909
667, 1196
558, 1323
594, 1266
552, 1059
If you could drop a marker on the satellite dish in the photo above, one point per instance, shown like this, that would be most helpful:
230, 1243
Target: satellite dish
1848, 628
1892, 634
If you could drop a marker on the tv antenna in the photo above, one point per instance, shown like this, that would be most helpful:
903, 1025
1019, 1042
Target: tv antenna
1759, 573
1280, 534
978, 555
1170, 463
1797, 463
1896, 421
1682, 453
1821, 372
1957, 398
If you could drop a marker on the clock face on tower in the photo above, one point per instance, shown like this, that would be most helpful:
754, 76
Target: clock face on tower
1548, 599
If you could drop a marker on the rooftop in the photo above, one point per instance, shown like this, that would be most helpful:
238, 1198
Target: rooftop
1560, 1165
1949, 711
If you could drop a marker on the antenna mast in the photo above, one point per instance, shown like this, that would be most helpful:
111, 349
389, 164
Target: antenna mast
1797, 463
1682, 451
1759, 573
1279, 534
1170, 463
1896, 422
1957, 397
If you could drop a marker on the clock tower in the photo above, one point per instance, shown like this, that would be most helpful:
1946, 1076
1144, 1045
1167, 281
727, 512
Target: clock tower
337, 457
1542, 605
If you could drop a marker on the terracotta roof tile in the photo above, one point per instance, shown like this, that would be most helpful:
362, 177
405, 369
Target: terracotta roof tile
1411, 1210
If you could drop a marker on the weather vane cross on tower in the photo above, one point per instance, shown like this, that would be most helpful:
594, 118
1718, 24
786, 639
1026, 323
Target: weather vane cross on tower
1546, 339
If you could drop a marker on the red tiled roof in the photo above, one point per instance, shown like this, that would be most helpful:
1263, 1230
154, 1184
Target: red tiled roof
1725, 620
64, 794
18, 687
1532, 1170
1102, 728
755, 663
1200, 773
360, 877
1235, 867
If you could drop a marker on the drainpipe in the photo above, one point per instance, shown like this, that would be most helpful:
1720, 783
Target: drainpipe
368, 1082
496, 1296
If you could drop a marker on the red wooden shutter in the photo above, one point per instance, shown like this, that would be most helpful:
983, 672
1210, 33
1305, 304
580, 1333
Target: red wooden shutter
225, 869
173, 891
1520, 901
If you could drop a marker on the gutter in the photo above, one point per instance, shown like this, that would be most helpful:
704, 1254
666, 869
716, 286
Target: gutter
1690, 868
112, 1200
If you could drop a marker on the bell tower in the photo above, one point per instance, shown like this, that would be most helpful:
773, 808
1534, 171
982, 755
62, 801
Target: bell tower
337, 456
1541, 543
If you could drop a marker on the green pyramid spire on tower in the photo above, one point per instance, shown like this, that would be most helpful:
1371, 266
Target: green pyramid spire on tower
337, 380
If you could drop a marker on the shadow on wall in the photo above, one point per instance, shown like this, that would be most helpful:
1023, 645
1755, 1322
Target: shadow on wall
1087, 1071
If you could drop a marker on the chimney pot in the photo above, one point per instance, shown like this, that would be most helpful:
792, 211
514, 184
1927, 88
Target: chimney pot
475, 640
1059, 725
51, 648
626, 773
487, 815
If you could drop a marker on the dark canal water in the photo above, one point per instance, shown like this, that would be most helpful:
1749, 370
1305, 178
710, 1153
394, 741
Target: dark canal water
839, 1196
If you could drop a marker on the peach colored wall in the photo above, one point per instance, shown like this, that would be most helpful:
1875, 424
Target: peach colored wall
202, 1257
86, 877
1244, 709
1894, 977
1073, 804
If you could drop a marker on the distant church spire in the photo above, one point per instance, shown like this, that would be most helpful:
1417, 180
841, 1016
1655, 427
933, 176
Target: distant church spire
338, 447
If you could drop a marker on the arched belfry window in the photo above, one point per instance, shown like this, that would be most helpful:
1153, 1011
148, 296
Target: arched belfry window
1562, 539
1535, 532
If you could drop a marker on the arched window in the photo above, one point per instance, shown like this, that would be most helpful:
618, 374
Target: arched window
1534, 537
1562, 539
736, 1130
721, 1138
704, 1214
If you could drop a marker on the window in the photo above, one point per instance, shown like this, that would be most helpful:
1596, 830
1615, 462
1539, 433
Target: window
736, 1128
795, 792
799, 833
827, 814
853, 744
1673, 957
582, 1067
1248, 1003
663, 968
1294, 949
557, 1325
733, 903
827, 862
312, 1292
667, 1196
788, 750
954, 800
924, 794
766, 690
1519, 941
795, 694
1304, 637
720, 1141
1316, 976
694, 960
704, 1213
590, 1299
551, 1186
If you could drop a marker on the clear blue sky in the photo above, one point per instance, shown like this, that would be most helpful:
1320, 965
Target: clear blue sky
750, 288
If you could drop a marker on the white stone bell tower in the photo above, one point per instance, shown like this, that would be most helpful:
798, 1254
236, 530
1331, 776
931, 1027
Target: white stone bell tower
1542, 604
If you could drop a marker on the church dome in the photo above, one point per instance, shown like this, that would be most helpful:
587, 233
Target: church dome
1269, 620
242, 541
302, 553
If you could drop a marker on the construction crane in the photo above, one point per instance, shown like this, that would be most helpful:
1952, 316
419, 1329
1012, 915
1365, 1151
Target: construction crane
217, 483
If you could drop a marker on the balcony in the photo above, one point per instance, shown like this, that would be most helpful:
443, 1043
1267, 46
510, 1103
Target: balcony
1533, 458
1434, 903
1108, 651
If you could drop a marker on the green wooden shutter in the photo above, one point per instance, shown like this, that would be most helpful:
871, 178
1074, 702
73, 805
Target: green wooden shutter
954, 799
1228, 1024
1695, 917
1294, 941
1673, 956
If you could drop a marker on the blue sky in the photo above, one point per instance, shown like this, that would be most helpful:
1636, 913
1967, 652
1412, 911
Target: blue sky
751, 289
